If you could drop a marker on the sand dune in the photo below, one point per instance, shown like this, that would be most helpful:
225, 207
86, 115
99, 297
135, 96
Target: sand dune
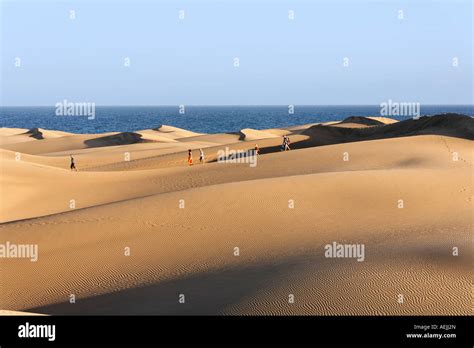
361, 122
384, 120
174, 132
214, 139
349, 125
40, 133
71, 142
45, 146
449, 125
367, 121
5, 132
253, 134
18, 313
182, 224
177, 156
13, 139
153, 135
17, 135
278, 132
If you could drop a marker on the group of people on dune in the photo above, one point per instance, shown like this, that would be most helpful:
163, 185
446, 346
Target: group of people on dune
284, 147
201, 157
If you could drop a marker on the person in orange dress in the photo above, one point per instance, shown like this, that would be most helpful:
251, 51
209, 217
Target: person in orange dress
190, 157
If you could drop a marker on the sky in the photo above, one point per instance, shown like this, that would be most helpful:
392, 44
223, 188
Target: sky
409, 56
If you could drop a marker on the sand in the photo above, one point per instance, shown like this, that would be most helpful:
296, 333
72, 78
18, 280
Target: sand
17, 313
182, 224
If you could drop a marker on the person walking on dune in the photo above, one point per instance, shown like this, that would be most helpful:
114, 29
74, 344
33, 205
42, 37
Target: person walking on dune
190, 157
201, 156
73, 165
287, 143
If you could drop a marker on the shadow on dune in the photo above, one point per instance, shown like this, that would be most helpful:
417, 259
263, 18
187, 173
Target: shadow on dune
453, 125
124, 138
227, 290
205, 294
35, 133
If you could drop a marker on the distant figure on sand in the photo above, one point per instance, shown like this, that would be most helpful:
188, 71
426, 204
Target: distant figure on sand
73, 165
287, 143
257, 150
201, 156
190, 157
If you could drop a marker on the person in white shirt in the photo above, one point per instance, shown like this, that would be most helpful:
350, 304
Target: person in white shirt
201, 156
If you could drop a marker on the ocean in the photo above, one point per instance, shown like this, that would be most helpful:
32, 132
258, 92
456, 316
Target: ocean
203, 119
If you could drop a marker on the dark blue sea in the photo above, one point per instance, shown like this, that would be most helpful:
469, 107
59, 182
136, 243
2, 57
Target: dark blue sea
205, 119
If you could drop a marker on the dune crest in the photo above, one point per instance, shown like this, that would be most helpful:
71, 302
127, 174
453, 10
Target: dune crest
362, 120
249, 134
447, 124
175, 132
385, 120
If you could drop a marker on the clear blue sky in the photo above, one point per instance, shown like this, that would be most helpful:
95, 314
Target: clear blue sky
282, 61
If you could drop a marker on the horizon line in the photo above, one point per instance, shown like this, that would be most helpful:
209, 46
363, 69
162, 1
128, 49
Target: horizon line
226, 105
